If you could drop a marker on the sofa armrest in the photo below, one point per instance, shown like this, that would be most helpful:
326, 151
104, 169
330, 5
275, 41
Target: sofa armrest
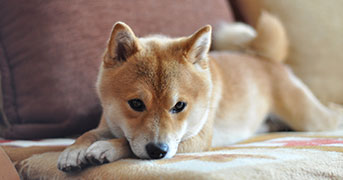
6, 167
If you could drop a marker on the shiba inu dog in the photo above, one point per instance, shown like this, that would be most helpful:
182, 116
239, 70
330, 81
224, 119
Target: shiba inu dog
162, 96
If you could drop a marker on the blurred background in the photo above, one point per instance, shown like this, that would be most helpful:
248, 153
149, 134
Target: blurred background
50, 51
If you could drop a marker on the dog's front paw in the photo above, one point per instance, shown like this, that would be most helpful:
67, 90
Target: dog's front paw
101, 152
72, 159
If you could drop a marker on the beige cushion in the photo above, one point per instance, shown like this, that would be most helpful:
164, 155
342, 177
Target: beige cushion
269, 156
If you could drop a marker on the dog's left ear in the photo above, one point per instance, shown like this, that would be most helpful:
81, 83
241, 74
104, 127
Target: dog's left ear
198, 45
121, 45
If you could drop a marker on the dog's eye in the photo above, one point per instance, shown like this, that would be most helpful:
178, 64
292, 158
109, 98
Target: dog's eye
179, 106
137, 105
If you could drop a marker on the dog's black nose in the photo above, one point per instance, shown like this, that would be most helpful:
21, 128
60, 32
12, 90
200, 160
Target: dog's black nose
156, 150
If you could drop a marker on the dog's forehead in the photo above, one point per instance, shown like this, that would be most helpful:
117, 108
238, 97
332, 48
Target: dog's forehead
160, 66
158, 71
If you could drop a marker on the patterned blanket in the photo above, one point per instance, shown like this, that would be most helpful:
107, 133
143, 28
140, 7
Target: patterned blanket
271, 156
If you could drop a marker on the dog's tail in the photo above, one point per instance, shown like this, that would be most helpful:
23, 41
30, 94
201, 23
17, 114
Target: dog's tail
269, 40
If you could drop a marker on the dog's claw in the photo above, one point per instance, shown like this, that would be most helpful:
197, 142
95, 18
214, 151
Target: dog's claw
70, 168
75, 168
93, 160
105, 161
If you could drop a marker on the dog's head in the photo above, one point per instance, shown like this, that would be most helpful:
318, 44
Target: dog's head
155, 91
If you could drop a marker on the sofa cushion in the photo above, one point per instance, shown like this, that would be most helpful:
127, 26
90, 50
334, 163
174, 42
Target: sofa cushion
50, 52
315, 155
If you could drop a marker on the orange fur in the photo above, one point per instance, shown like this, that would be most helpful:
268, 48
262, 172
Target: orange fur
271, 41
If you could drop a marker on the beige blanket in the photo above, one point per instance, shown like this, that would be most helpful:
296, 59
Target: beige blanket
271, 156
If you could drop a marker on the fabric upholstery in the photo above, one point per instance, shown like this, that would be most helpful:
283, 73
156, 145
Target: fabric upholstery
50, 52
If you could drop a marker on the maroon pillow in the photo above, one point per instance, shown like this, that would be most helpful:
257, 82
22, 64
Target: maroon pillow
50, 52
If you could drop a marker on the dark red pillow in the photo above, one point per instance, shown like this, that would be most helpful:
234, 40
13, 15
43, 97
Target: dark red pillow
50, 52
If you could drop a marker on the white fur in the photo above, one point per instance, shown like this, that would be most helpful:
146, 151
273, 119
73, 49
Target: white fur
102, 150
72, 157
233, 36
200, 110
138, 144
197, 113
201, 46
173, 142
114, 119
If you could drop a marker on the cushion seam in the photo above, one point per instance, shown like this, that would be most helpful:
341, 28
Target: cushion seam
12, 85
4, 117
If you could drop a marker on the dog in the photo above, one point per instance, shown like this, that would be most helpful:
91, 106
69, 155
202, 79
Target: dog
162, 96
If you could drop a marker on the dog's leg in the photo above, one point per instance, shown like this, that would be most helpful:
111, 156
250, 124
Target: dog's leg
298, 107
73, 158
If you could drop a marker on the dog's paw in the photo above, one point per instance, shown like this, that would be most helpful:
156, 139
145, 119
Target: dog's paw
72, 159
101, 152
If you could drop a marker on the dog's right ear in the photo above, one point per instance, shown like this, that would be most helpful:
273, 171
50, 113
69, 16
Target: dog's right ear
121, 45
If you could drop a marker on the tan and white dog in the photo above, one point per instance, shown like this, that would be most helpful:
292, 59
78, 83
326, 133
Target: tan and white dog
161, 96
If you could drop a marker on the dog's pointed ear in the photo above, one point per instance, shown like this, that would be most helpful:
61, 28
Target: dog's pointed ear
198, 45
122, 44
